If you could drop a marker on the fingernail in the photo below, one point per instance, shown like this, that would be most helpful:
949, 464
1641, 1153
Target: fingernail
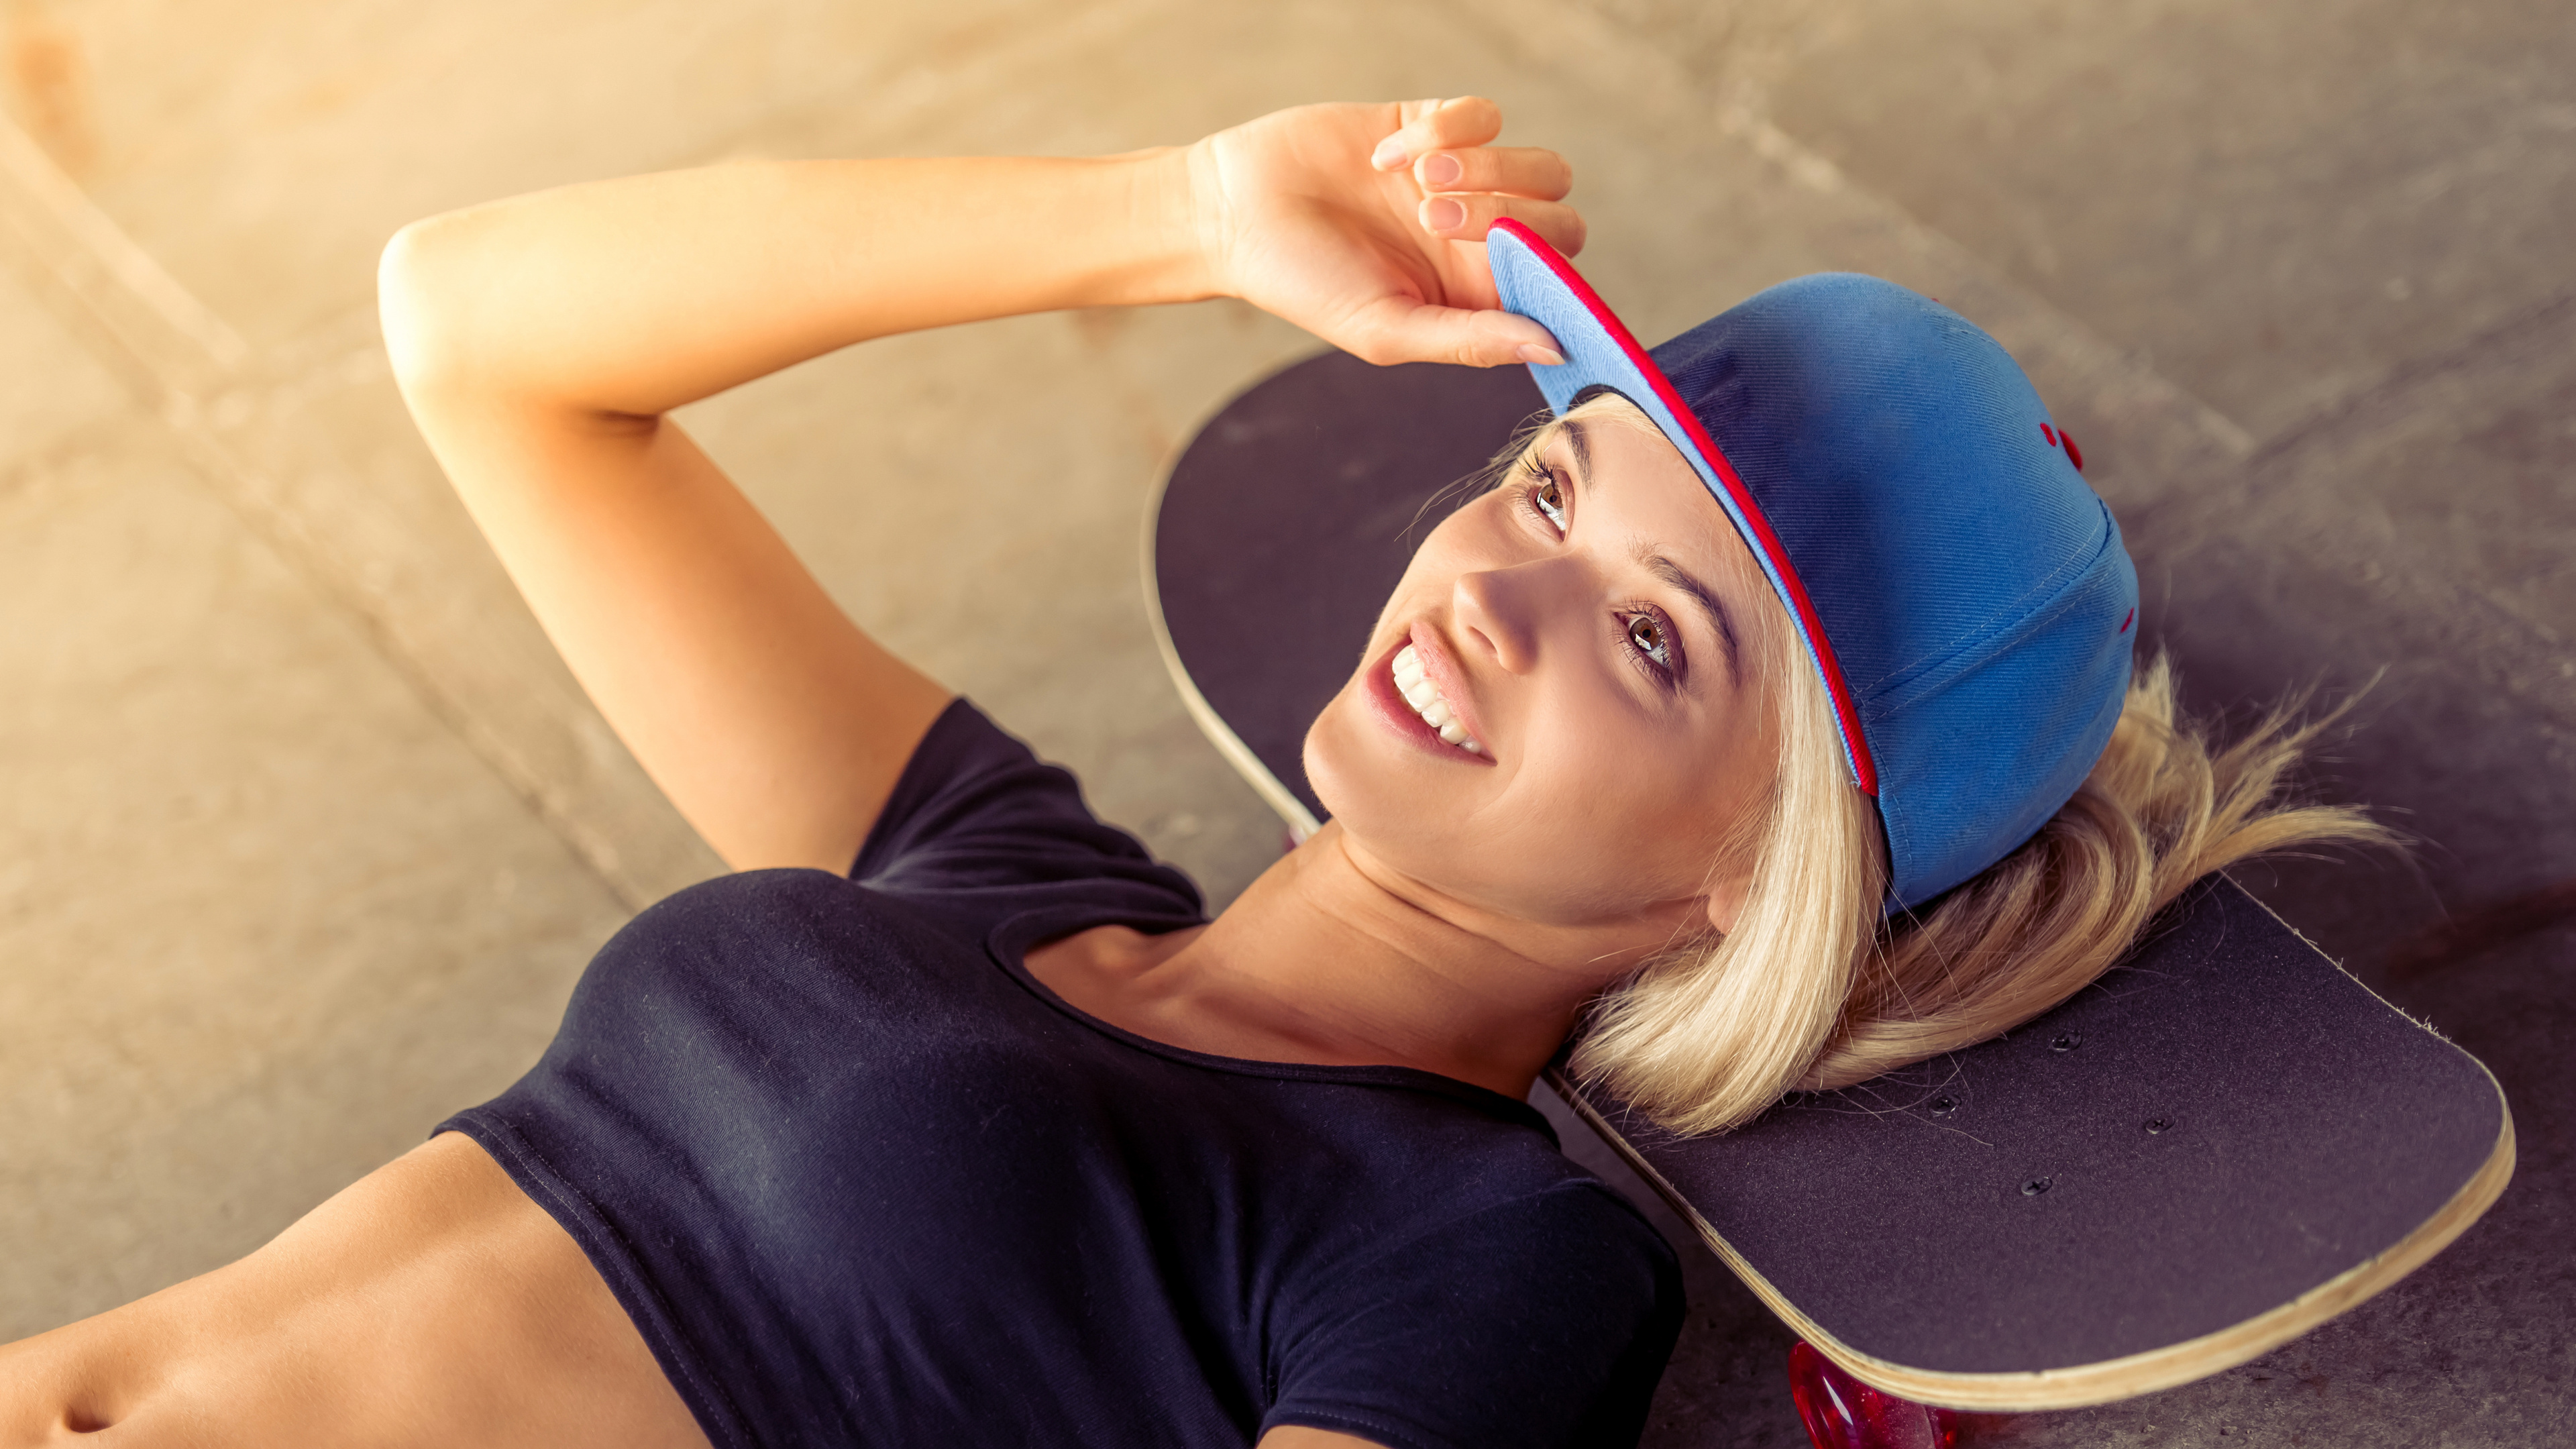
1538, 356
1442, 171
1390, 154
1442, 214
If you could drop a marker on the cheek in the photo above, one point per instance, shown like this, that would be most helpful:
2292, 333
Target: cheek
1627, 817
1360, 775
1606, 817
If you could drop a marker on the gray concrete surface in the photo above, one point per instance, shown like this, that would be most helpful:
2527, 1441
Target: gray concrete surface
304, 834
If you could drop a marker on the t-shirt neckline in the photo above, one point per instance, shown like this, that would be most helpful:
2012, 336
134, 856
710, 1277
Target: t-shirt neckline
1007, 945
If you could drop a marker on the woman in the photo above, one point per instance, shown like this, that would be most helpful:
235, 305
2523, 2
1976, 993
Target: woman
1001, 1141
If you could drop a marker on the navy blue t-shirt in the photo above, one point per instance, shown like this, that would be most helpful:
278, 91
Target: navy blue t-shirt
859, 1179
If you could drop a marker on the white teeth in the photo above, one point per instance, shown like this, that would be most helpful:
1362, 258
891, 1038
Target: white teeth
1418, 691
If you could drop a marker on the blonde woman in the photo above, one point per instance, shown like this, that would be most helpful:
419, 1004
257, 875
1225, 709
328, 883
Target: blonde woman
950, 1119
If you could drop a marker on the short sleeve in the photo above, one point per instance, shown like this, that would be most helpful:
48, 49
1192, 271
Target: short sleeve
979, 828
1545, 1321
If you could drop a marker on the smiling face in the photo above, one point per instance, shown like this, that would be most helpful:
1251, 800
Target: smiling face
1561, 717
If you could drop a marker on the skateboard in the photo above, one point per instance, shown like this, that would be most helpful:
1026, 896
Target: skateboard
2223, 1143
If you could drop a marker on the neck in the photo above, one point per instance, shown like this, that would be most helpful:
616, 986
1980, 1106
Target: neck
1331, 958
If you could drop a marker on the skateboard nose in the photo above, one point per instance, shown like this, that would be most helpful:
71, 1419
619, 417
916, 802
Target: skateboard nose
1841, 1412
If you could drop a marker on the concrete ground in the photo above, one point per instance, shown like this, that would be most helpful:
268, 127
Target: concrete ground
304, 835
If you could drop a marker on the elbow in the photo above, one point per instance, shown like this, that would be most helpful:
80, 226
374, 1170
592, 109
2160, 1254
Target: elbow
416, 309
440, 288
455, 296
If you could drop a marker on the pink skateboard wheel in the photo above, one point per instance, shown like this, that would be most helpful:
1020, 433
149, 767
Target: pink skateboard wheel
1841, 1412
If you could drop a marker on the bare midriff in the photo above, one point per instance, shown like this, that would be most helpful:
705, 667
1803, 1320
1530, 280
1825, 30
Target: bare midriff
430, 1304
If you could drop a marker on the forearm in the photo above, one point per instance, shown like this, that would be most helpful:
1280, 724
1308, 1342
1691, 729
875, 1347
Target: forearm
634, 296
540, 341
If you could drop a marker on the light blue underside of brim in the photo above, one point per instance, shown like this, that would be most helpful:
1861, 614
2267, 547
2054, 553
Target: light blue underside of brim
1593, 356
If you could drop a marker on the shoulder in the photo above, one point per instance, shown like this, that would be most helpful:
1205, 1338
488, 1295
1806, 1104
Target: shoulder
976, 811
1429, 1173
1574, 1242
1539, 1318
1560, 1258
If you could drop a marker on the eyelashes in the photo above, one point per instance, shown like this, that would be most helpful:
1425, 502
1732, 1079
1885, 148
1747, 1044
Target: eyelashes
1646, 637
1651, 636
1544, 496
1646, 634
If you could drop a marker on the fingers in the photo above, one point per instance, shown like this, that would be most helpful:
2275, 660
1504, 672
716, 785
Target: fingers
1520, 170
1467, 216
1438, 126
1397, 330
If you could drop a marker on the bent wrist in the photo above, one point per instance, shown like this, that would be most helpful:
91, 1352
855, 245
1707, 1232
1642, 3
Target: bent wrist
1177, 225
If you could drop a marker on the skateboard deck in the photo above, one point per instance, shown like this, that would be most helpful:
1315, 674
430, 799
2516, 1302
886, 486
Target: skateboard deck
2223, 1143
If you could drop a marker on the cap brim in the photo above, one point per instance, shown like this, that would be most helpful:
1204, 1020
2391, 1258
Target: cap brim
1540, 284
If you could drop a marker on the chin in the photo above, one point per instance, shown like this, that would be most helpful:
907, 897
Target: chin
1357, 777
1327, 751
1351, 769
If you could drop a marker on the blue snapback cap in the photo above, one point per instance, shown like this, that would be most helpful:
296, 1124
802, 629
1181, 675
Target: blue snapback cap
1961, 591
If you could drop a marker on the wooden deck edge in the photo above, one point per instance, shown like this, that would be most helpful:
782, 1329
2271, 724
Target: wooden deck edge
2081, 1385
1301, 822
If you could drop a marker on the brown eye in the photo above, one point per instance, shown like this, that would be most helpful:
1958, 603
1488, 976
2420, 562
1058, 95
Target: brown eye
1549, 499
1646, 632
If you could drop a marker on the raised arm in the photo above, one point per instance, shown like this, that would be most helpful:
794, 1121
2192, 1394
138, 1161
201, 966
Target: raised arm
541, 340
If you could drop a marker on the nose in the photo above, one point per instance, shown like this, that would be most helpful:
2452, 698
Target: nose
1498, 610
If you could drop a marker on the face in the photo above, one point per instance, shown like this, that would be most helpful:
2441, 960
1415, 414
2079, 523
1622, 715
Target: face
1558, 719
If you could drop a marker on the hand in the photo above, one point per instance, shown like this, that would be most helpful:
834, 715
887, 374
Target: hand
1365, 225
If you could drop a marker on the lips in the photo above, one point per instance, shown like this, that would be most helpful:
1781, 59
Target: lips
1431, 674
1414, 683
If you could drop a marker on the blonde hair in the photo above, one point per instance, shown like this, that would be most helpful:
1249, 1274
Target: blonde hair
1816, 987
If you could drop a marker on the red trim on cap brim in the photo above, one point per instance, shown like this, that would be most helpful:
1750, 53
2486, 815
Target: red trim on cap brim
1763, 538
